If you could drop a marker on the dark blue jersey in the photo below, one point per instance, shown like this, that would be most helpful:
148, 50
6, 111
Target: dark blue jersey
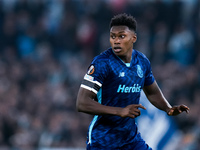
116, 84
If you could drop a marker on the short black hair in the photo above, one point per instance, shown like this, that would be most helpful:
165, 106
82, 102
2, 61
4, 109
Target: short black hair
124, 20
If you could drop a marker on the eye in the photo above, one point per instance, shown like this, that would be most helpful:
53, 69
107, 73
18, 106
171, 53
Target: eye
122, 36
113, 37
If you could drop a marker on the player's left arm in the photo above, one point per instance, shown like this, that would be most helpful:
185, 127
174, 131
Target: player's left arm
156, 97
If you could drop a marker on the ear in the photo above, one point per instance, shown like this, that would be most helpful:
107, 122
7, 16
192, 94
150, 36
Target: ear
134, 37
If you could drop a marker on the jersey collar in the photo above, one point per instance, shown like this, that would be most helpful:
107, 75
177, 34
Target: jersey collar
132, 58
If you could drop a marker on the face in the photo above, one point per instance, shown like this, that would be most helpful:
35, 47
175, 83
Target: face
121, 40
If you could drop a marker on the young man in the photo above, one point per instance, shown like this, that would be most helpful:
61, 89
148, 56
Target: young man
111, 91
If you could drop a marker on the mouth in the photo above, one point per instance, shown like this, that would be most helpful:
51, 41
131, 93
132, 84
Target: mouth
117, 49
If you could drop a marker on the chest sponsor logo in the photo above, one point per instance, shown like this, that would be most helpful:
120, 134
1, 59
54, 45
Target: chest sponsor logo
136, 88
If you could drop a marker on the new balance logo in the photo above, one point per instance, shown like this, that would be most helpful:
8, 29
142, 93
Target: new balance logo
121, 74
129, 89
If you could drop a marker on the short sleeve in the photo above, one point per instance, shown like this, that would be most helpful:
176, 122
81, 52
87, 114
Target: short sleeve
95, 76
149, 78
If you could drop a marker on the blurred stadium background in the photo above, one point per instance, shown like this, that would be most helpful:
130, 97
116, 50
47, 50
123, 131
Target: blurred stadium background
47, 45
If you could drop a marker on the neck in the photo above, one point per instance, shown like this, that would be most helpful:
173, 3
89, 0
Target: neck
125, 59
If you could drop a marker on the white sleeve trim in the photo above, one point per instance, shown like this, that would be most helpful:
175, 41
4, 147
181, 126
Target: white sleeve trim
89, 88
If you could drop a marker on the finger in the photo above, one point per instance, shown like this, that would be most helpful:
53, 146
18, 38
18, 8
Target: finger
170, 113
184, 108
136, 113
187, 111
131, 116
179, 109
140, 106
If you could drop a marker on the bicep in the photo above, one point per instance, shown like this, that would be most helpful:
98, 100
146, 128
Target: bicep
84, 97
151, 89
85, 94
90, 86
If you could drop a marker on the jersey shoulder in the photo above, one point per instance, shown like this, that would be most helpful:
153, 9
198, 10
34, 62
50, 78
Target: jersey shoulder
99, 69
103, 57
140, 54
142, 57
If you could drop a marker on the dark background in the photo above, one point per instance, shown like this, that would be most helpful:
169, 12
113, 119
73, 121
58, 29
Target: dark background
47, 45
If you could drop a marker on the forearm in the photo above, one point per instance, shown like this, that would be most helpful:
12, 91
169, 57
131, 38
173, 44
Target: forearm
159, 101
156, 97
95, 108
87, 104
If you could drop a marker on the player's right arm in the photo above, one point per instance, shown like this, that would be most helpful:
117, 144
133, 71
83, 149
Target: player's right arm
86, 103
91, 84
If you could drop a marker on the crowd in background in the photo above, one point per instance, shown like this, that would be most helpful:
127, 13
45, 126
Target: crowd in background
47, 45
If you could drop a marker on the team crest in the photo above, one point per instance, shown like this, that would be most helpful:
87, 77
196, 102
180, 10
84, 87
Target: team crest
91, 70
139, 71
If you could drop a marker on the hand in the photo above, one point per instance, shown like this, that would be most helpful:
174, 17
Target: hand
176, 110
131, 111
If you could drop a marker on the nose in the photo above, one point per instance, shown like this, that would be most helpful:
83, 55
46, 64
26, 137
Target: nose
117, 41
